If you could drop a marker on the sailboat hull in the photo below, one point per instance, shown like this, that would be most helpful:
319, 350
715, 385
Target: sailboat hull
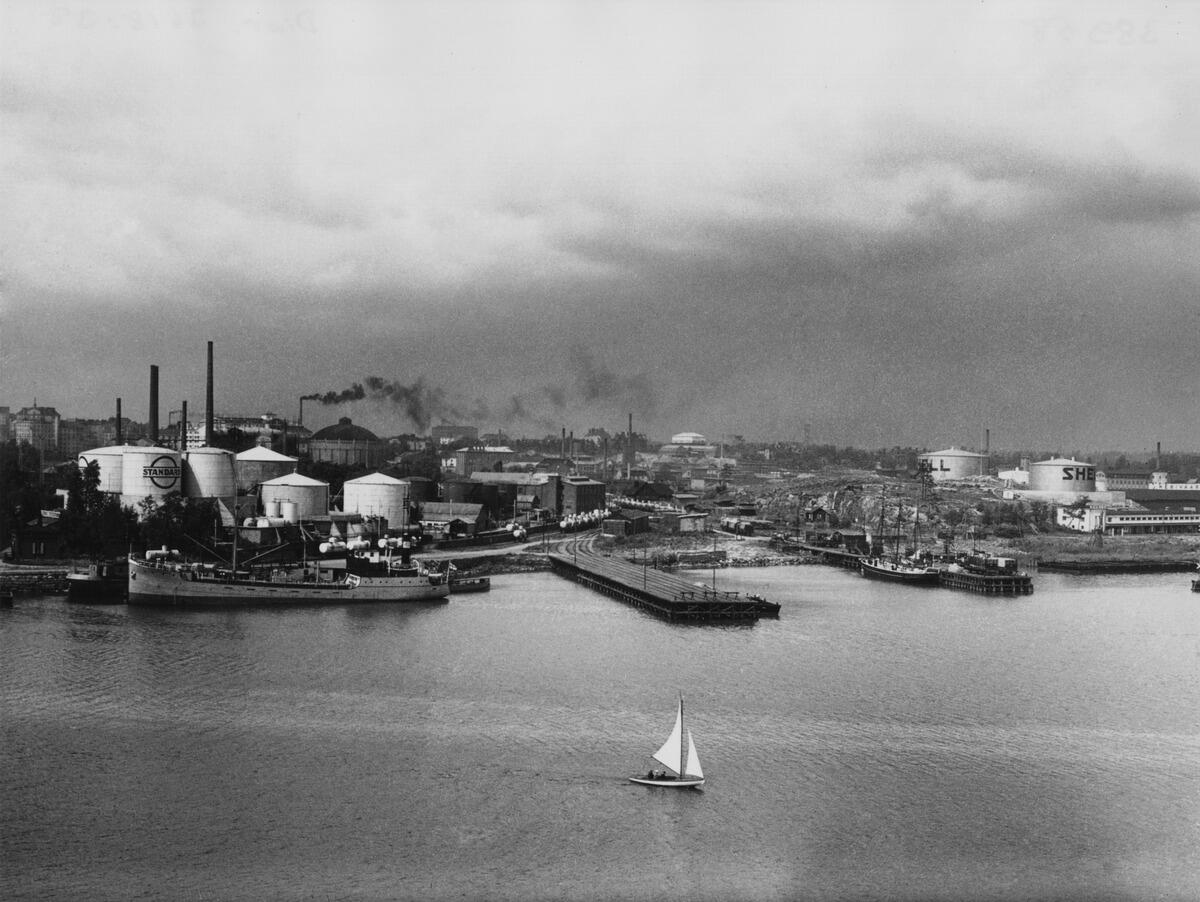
669, 782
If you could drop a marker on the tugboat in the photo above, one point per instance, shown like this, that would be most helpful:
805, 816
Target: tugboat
104, 582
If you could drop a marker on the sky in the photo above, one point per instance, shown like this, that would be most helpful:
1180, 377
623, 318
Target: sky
870, 223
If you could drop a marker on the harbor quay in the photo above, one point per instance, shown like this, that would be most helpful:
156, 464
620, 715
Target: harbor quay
665, 595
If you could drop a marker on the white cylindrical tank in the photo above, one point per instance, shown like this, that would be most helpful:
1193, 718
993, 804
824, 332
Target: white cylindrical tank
1062, 474
208, 473
311, 496
289, 512
149, 472
111, 461
260, 464
953, 463
377, 495
271, 509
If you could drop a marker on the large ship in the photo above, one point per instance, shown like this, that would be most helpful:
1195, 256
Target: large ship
352, 576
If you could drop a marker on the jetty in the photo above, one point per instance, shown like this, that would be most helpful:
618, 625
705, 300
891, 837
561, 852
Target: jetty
665, 595
836, 555
995, 583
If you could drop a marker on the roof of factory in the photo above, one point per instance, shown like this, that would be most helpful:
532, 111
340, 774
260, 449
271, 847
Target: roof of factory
344, 431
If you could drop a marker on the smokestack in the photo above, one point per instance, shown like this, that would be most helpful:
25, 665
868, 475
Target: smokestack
300, 422
1158, 455
284, 437
153, 404
208, 400
183, 428
120, 432
562, 444
571, 444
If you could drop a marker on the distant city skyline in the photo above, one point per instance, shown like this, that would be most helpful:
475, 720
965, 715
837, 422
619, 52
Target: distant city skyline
870, 223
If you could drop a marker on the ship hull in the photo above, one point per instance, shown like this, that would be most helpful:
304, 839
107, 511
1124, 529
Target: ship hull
165, 585
898, 573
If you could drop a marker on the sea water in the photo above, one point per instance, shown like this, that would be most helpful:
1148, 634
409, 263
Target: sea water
876, 742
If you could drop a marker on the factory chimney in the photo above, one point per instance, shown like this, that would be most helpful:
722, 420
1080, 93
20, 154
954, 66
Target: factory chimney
300, 421
987, 447
183, 428
153, 404
120, 433
562, 444
1158, 455
208, 400
629, 449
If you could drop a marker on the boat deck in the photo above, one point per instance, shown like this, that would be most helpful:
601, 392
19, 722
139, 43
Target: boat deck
665, 595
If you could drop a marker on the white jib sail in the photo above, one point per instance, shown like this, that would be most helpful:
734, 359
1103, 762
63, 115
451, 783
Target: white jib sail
693, 762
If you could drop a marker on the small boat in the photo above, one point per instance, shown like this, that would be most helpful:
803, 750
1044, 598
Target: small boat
6, 598
103, 581
765, 608
470, 584
681, 759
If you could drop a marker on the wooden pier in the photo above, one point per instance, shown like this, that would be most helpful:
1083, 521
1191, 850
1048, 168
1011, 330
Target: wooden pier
839, 557
987, 583
663, 594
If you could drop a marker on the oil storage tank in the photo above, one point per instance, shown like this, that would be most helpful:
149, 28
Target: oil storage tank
1062, 474
149, 472
260, 464
110, 460
310, 496
953, 463
377, 495
208, 473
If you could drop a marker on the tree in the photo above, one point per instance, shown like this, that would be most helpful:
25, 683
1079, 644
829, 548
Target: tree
94, 523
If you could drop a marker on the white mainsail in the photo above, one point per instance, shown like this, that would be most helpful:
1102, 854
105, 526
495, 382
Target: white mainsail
671, 753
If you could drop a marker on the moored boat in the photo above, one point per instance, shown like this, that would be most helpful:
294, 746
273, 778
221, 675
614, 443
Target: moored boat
160, 578
470, 584
104, 582
899, 570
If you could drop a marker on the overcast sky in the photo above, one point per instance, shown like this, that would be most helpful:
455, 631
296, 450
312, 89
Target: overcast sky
900, 223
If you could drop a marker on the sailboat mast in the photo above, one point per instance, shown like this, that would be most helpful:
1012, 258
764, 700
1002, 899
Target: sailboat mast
682, 734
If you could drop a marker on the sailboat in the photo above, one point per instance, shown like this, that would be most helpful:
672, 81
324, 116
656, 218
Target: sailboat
681, 759
895, 567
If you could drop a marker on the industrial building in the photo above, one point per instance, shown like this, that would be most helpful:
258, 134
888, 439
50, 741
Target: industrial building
348, 445
581, 495
450, 519
469, 460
